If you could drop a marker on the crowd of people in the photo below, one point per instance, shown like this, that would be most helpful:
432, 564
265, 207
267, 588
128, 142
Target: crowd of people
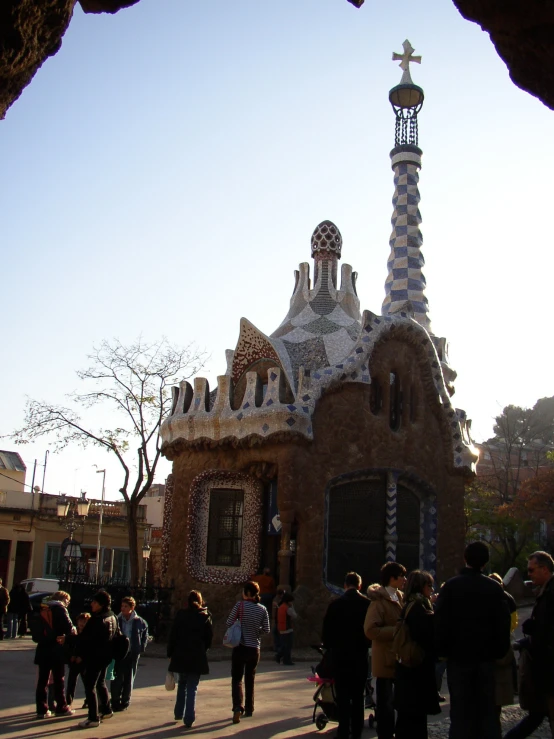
415, 634
414, 631
102, 644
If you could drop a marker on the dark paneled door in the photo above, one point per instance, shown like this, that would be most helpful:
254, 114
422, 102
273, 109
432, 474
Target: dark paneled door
22, 561
356, 530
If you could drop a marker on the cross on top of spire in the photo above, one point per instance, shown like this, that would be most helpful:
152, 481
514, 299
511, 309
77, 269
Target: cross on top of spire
405, 60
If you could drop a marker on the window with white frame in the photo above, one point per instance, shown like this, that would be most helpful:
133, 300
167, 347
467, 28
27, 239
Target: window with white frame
52, 560
121, 569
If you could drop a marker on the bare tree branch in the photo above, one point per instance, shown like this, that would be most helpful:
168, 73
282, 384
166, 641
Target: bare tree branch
132, 381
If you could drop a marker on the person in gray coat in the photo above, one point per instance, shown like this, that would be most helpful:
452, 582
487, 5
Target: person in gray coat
189, 640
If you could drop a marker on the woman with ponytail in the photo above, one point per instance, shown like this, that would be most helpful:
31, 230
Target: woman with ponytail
189, 640
254, 621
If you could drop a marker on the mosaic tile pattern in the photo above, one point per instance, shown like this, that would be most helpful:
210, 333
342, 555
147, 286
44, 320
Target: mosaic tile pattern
391, 537
168, 513
197, 534
428, 529
322, 342
405, 283
273, 415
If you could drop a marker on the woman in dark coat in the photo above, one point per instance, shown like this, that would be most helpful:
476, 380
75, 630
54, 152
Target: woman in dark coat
415, 689
189, 640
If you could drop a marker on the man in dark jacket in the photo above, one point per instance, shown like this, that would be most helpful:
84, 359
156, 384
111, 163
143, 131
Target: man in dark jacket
94, 650
539, 630
135, 629
472, 626
50, 629
343, 635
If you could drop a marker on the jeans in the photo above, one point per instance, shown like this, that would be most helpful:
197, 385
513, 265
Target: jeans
185, 700
384, 698
472, 701
349, 691
58, 674
122, 684
244, 661
94, 680
12, 625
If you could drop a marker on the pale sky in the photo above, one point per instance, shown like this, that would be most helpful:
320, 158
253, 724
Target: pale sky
163, 174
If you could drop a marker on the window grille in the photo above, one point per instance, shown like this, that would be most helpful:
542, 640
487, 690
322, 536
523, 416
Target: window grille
225, 527
356, 530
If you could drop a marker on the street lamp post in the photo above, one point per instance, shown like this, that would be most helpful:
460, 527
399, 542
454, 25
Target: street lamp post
146, 549
100, 519
72, 515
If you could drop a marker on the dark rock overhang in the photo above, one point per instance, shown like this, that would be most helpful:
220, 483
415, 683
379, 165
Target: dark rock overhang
522, 33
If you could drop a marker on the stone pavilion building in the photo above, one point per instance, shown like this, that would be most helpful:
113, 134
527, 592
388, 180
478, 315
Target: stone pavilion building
331, 443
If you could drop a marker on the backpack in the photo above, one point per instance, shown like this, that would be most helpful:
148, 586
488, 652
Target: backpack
406, 650
41, 631
4, 598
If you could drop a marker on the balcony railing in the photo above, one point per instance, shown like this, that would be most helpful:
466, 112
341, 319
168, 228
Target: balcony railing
113, 509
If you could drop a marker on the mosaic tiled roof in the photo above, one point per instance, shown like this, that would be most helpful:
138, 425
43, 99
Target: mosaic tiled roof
273, 382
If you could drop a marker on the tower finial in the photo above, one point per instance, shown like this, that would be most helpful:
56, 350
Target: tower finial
405, 60
406, 99
405, 284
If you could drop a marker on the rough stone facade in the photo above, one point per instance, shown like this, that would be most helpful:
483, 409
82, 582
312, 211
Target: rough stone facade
348, 437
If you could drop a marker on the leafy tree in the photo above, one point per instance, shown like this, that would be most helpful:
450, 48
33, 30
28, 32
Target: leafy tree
522, 439
133, 382
519, 449
535, 498
510, 538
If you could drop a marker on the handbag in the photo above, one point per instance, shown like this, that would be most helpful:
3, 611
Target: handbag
232, 636
170, 681
120, 646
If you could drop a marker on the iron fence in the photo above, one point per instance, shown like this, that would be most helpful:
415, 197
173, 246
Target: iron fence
154, 601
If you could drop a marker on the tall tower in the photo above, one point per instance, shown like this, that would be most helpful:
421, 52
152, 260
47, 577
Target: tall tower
405, 283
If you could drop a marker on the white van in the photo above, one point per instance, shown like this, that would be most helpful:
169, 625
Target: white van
40, 585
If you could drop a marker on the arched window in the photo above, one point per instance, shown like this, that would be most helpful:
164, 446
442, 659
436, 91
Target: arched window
395, 411
375, 396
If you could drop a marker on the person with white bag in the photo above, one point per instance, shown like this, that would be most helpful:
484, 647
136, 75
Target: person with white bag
254, 621
189, 640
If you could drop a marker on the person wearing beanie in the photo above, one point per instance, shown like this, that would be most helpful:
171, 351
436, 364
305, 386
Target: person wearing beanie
94, 650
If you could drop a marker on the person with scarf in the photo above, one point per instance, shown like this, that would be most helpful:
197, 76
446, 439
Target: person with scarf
415, 689
135, 629
50, 629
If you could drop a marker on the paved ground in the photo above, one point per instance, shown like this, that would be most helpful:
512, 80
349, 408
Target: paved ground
284, 703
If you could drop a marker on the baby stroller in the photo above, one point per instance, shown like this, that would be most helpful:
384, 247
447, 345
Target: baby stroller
324, 696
